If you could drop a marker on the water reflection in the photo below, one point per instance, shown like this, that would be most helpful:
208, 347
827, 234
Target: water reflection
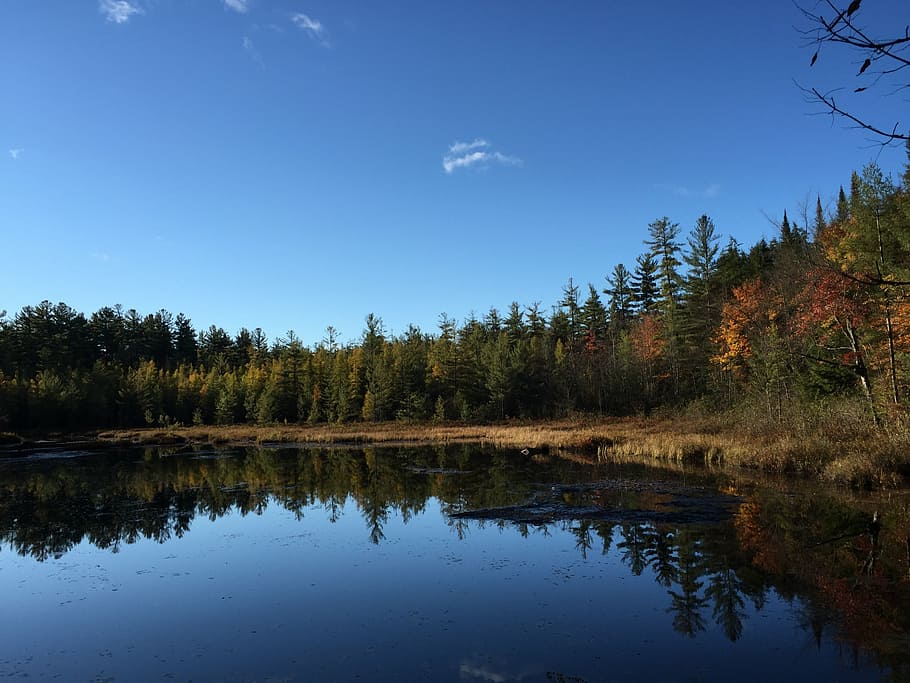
49, 505
717, 549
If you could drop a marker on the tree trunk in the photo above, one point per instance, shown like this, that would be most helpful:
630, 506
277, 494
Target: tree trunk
891, 356
890, 329
859, 367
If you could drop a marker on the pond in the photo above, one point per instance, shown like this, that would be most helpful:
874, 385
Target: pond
449, 563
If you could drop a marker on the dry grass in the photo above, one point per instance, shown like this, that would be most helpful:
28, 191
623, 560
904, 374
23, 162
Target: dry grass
536, 435
838, 445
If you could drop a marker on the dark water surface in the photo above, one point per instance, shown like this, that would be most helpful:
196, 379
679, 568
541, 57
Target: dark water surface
439, 564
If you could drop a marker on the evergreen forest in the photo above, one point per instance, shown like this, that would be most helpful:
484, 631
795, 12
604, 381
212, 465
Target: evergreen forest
819, 313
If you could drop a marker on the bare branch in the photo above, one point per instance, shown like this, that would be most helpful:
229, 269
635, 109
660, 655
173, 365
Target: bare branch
828, 100
887, 53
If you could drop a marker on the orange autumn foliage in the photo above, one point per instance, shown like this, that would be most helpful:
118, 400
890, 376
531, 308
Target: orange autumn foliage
752, 308
828, 300
647, 339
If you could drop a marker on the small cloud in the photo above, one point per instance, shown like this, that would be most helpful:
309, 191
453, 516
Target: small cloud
709, 192
506, 160
450, 163
306, 23
461, 147
237, 5
15, 153
118, 11
251, 50
101, 256
475, 153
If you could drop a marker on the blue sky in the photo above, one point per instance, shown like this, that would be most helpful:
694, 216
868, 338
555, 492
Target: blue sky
291, 164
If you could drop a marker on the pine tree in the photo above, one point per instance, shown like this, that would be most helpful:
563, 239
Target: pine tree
288, 384
492, 322
593, 315
732, 269
158, 329
443, 362
241, 349
537, 323
214, 345
819, 218
701, 314
185, 347
569, 304
786, 233
843, 206
107, 334
259, 346
514, 322
665, 249
377, 375
620, 291
701, 257
644, 284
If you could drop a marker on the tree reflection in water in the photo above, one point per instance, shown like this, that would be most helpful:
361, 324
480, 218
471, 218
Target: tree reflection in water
846, 569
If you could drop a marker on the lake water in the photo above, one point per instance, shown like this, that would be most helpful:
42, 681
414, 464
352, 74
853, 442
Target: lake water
439, 564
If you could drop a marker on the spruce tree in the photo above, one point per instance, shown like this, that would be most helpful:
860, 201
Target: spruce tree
644, 284
593, 314
537, 322
701, 257
701, 310
665, 249
819, 218
620, 291
786, 233
843, 206
732, 269
185, 346
663, 235
569, 304
514, 322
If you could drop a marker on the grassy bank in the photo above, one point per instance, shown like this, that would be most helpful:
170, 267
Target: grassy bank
836, 444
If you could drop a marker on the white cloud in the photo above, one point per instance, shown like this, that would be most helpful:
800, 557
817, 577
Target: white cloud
251, 50
237, 5
506, 160
16, 153
711, 191
450, 163
460, 147
118, 11
312, 26
475, 153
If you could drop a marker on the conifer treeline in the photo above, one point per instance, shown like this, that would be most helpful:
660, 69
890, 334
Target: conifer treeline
821, 310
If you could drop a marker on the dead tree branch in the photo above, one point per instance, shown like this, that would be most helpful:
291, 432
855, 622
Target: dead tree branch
883, 59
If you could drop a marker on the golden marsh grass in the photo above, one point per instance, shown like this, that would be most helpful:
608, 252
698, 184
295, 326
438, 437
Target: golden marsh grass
844, 451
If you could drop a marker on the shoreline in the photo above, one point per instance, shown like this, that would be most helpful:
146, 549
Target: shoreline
857, 457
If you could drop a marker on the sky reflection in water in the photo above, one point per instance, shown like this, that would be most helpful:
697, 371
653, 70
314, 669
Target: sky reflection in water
287, 596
